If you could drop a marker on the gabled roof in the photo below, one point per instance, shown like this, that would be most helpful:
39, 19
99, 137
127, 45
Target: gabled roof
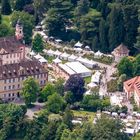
78, 44
121, 49
10, 44
132, 84
24, 68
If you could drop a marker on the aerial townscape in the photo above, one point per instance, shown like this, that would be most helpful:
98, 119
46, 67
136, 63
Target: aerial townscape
69, 69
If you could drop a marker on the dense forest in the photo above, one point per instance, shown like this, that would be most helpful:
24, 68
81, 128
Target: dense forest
101, 24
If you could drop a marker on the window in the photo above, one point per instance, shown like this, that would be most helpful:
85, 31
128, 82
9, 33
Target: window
13, 79
13, 94
9, 87
18, 85
9, 80
18, 79
4, 87
41, 82
13, 87
37, 76
5, 81
4, 95
7, 56
9, 95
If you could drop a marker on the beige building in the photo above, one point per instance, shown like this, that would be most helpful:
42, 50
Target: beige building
120, 52
12, 50
13, 75
71, 68
132, 88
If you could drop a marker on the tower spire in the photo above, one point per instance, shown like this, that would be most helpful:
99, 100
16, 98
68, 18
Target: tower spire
19, 30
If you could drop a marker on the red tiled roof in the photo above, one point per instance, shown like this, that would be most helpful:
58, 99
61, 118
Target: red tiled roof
133, 84
24, 68
121, 49
10, 44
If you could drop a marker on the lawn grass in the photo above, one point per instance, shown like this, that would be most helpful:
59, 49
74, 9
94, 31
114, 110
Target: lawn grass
87, 79
136, 137
6, 20
82, 114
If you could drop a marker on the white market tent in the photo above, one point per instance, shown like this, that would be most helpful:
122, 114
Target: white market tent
87, 47
130, 131
78, 45
98, 54
38, 56
45, 37
32, 53
50, 52
66, 69
42, 60
76, 122
80, 59
92, 85
96, 77
79, 69
42, 33
45, 51
88, 63
57, 60
114, 114
72, 58
38, 28
78, 50
88, 92
57, 53
58, 41
92, 52
64, 56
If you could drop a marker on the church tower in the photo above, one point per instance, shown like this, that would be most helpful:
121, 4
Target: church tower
19, 31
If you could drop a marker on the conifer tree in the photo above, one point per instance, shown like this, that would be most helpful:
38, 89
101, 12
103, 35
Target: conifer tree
116, 29
103, 36
5, 7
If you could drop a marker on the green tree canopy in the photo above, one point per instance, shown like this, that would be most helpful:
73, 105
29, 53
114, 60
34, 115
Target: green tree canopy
55, 103
28, 23
37, 43
125, 67
108, 128
136, 66
29, 91
48, 90
4, 30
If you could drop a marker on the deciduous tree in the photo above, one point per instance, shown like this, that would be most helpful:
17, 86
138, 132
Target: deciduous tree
55, 103
75, 84
29, 91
